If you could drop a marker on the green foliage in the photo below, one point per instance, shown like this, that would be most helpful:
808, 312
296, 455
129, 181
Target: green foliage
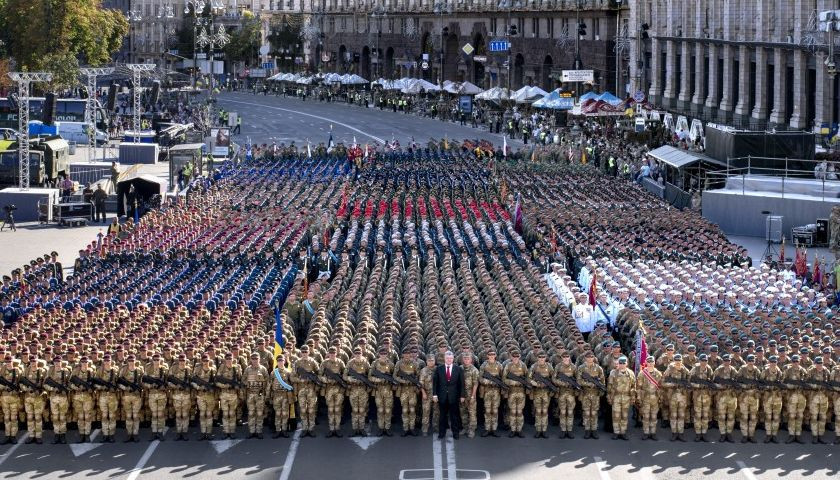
245, 42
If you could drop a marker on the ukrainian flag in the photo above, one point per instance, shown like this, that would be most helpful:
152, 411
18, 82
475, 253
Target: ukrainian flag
279, 341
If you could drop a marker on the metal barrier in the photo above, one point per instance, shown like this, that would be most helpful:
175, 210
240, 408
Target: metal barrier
784, 168
87, 174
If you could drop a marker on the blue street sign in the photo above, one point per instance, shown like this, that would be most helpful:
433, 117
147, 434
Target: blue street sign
268, 65
499, 46
565, 103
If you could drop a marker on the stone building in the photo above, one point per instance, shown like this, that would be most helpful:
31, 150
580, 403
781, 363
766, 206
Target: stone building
749, 63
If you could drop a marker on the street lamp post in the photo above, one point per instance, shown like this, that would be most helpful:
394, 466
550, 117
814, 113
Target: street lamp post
166, 14
197, 9
134, 17
440, 9
212, 40
378, 13
510, 31
617, 50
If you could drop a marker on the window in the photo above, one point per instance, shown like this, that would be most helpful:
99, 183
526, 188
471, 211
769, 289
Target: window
535, 26
550, 28
520, 26
343, 23
391, 25
596, 28
332, 24
494, 26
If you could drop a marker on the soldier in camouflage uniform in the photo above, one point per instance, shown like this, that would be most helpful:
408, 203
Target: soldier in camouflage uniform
796, 399
540, 394
255, 378
674, 381
10, 398
157, 393
516, 395
131, 375
590, 397
383, 394
407, 391
727, 401
359, 395
34, 398
202, 380
181, 395
82, 397
307, 391
430, 412
835, 378
648, 388
772, 399
700, 376
565, 395
818, 401
281, 398
56, 383
469, 415
621, 392
228, 376
748, 399
333, 391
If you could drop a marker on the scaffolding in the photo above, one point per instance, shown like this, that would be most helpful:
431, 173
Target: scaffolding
137, 70
90, 112
23, 79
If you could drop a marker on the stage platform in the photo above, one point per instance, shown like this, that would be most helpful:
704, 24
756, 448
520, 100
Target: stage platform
738, 207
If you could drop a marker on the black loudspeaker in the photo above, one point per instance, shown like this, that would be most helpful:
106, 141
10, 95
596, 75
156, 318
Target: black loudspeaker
112, 97
822, 231
48, 114
13, 101
155, 92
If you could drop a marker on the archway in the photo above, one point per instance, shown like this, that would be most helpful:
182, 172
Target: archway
518, 71
547, 83
365, 60
450, 61
389, 62
342, 59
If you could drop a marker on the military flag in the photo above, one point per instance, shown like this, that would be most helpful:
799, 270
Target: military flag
517, 215
279, 341
593, 289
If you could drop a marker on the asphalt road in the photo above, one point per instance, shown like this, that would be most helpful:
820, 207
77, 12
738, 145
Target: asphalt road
272, 118
418, 458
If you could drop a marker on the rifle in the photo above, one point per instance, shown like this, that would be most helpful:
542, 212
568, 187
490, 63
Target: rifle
103, 383
520, 380
81, 383
202, 384
546, 382
567, 380
411, 379
231, 382
679, 382
8, 384
177, 383
704, 382
157, 382
61, 388
28, 383
335, 376
589, 378
307, 375
131, 385
358, 376
496, 381
384, 376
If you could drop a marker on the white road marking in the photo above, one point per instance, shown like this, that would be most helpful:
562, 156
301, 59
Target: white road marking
290, 457
220, 446
14, 447
83, 448
601, 464
135, 472
451, 468
365, 442
437, 461
745, 470
374, 137
647, 473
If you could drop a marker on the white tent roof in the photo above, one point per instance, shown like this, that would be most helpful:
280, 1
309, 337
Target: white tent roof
468, 88
529, 94
417, 84
494, 94
352, 79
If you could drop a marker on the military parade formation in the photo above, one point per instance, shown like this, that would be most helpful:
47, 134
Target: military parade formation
568, 296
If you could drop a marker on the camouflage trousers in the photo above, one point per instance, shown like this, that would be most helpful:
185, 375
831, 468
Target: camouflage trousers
206, 402
620, 412
255, 401
727, 405
131, 403
566, 409
281, 404
408, 403
228, 399
796, 403
430, 413
85, 411
590, 402
702, 403
516, 404
648, 409
492, 399
10, 403
678, 404
181, 404
837, 412
772, 403
541, 399
469, 416
58, 411
748, 406
383, 396
157, 410
108, 407
334, 397
34, 404
359, 402
818, 407
307, 399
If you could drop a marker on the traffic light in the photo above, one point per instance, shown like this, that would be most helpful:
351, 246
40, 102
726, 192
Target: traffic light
582, 29
645, 28
512, 30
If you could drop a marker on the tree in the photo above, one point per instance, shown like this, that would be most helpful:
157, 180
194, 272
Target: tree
64, 67
245, 42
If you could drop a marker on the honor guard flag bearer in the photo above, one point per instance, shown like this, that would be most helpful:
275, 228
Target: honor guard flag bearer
279, 341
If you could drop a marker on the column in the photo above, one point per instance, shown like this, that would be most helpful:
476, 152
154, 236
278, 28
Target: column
724, 113
685, 78
800, 90
760, 110
670, 93
742, 109
699, 78
655, 87
779, 115
823, 95
713, 99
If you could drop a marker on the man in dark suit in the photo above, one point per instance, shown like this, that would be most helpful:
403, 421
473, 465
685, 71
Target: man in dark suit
448, 392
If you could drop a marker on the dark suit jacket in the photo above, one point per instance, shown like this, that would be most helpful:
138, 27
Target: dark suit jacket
451, 391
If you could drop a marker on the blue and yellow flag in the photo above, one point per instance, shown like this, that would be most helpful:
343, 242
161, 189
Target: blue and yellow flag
279, 341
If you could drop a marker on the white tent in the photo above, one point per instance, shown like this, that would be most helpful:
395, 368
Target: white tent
332, 78
304, 80
495, 94
418, 84
465, 88
529, 94
352, 79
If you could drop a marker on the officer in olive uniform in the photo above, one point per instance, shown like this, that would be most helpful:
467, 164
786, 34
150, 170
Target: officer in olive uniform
648, 391
256, 379
621, 392
590, 397
331, 370
355, 375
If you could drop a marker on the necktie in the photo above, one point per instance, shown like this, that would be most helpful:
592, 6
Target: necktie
448, 373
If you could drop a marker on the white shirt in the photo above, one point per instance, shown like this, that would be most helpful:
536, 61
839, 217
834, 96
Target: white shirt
584, 318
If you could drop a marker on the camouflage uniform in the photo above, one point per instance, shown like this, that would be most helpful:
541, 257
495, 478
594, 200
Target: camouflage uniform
590, 397
727, 401
430, 412
383, 395
10, 399
648, 391
333, 392
516, 395
621, 392
540, 394
565, 398
359, 393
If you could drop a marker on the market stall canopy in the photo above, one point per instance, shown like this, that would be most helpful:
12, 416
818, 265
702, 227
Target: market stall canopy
495, 94
588, 96
553, 101
529, 94
416, 85
610, 98
352, 79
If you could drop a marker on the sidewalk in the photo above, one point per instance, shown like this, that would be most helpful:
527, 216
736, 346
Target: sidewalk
32, 240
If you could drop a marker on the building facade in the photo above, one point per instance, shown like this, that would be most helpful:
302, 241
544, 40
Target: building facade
397, 38
752, 64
